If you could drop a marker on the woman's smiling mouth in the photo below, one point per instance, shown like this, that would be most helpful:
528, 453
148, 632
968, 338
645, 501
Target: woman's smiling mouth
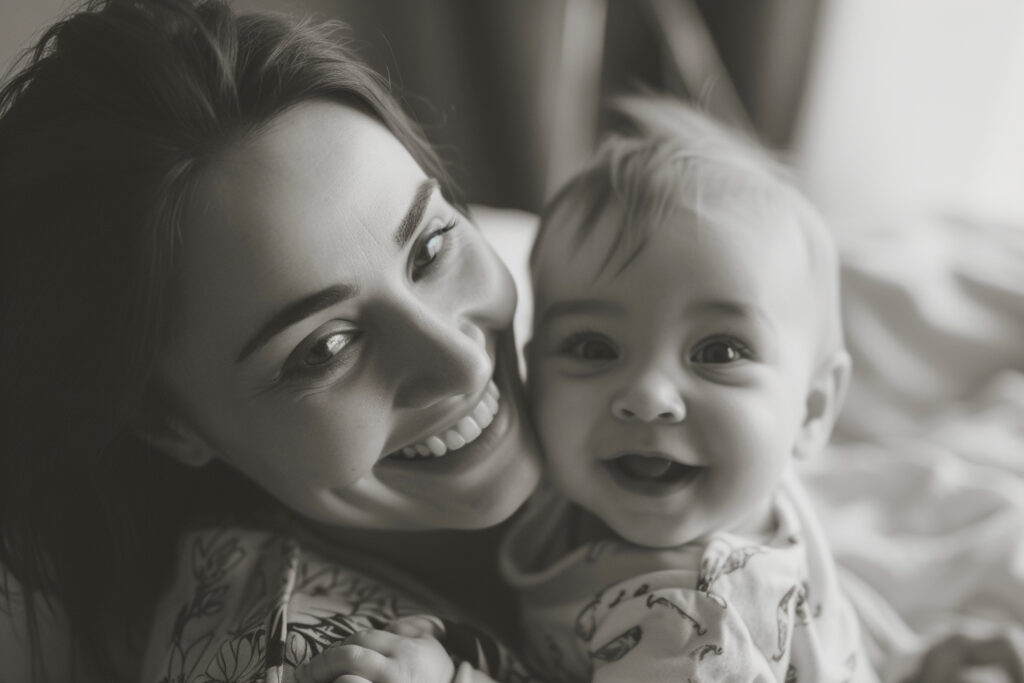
463, 432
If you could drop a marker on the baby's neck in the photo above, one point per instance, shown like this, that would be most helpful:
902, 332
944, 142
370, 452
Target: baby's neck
585, 527
760, 525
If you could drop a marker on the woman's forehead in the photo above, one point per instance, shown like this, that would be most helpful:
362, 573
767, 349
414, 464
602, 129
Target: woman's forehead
320, 172
307, 155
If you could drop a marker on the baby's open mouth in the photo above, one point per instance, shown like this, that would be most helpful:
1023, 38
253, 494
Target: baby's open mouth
653, 468
463, 432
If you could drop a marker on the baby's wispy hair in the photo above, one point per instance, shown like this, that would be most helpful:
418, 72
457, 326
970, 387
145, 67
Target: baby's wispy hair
666, 158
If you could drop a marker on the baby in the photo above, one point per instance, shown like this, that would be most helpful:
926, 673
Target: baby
687, 349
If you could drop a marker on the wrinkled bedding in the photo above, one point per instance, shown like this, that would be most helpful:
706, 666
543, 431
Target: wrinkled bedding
931, 525
922, 492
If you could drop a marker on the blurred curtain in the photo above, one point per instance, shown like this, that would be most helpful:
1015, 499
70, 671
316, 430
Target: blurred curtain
510, 90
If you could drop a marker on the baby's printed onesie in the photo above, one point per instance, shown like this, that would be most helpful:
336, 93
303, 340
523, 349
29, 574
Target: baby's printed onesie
728, 609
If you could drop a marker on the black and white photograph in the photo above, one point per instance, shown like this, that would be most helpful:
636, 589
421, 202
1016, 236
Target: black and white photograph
512, 341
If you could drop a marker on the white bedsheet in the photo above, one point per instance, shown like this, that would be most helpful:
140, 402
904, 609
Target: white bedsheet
931, 523
922, 493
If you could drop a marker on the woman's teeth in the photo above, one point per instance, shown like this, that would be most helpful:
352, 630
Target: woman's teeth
461, 433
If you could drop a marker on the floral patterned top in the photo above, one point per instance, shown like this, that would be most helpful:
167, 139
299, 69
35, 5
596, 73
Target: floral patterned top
248, 606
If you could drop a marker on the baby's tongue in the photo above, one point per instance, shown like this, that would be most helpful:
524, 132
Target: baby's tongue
644, 467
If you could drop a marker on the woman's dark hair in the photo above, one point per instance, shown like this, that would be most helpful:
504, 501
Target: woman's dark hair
104, 132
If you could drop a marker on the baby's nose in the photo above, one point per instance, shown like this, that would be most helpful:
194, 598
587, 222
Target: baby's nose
651, 400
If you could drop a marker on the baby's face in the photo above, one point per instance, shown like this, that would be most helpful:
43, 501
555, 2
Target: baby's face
668, 395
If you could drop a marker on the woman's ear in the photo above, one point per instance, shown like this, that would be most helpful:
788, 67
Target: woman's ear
176, 439
824, 400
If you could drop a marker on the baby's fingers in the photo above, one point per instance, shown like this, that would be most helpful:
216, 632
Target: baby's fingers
961, 658
383, 642
1004, 651
380, 657
417, 626
411, 659
347, 663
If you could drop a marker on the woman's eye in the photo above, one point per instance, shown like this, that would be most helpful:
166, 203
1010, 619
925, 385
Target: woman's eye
719, 351
589, 347
326, 348
429, 248
323, 356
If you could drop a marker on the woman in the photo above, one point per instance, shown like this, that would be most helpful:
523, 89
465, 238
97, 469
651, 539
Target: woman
228, 259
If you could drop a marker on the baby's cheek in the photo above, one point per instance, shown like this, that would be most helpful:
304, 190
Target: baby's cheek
546, 409
560, 415
755, 431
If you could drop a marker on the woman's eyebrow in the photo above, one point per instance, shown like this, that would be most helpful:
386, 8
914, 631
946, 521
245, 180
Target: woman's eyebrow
414, 215
329, 296
293, 313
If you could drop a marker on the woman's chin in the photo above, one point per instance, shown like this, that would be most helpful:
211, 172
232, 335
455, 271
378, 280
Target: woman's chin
504, 493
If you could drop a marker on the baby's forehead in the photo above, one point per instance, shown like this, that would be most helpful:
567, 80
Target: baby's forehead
600, 236
688, 269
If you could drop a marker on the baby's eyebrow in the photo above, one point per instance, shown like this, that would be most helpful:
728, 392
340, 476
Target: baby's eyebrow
732, 309
582, 307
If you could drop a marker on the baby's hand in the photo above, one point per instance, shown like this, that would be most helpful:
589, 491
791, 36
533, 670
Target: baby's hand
969, 658
406, 651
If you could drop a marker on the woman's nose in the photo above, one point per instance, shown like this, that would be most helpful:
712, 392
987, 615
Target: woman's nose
439, 357
651, 398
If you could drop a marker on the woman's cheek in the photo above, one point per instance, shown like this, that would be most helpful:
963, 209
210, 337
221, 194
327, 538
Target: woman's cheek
353, 435
320, 436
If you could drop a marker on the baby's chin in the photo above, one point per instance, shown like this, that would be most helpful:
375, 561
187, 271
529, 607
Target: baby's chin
661, 538
657, 534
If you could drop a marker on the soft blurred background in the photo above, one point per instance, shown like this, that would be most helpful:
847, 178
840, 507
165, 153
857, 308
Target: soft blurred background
906, 107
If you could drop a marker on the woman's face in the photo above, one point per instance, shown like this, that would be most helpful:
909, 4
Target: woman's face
345, 333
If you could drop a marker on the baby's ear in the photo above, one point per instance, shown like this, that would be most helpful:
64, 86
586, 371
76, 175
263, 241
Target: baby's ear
175, 438
824, 400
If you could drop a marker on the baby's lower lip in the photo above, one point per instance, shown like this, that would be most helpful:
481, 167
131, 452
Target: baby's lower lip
651, 475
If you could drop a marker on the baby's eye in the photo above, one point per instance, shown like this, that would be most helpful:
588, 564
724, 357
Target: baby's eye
589, 347
428, 249
326, 348
719, 351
